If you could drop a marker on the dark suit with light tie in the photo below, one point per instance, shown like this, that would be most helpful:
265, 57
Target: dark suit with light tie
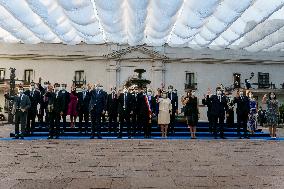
112, 105
217, 111
34, 96
83, 109
174, 100
97, 107
243, 109
125, 109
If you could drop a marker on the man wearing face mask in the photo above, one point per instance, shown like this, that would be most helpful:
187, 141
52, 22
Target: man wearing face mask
174, 100
219, 107
243, 109
134, 116
151, 103
53, 110
97, 108
125, 111
144, 112
43, 103
111, 108
83, 108
64, 97
206, 102
21, 106
34, 96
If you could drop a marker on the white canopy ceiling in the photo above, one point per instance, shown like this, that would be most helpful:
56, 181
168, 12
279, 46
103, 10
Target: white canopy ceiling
253, 25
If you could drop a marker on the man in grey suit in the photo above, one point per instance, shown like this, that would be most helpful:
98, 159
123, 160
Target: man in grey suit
21, 105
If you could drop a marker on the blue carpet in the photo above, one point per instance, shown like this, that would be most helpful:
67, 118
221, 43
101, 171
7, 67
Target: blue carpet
141, 138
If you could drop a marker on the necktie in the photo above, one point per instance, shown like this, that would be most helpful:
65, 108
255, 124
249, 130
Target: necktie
171, 96
84, 95
219, 97
124, 105
112, 96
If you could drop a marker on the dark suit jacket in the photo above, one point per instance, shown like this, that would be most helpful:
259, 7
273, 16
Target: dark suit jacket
64, 98
83, 103
35, 99
98, 101
54, 101
112, 104
218, 108
243, 107
174, 100
207, 103
23, 102
128, 103
142, 107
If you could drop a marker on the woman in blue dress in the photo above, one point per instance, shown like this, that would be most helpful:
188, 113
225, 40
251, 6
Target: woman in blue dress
252, 122
271, 112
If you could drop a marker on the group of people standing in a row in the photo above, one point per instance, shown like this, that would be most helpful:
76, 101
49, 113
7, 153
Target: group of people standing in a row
134, 108
221, 105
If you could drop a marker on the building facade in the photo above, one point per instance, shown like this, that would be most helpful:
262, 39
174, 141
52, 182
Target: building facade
111, 65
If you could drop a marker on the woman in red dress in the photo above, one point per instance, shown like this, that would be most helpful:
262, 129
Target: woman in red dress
72, 106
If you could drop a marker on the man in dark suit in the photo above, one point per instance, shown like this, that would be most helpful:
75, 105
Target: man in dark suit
151, 104
136, 126
21, 106
97, 109
43, 103
218, 108
125, 110
206, 102
83, 108
53, 110
172, 95
64, 97
111, 108
34, 96
243, 109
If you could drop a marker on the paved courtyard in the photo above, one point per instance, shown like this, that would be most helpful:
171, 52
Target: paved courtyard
140, 163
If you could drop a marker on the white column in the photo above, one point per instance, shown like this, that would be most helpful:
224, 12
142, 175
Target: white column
158, 74
112, 74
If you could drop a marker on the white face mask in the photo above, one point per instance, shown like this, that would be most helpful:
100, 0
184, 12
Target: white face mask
251, 95
193, 93
124, 90
272, 96
241, 93
56, 88
149, 93
219, 92
63, 88
100, 88
170, 90
21, 91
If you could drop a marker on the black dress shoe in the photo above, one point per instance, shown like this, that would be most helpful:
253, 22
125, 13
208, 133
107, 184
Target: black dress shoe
92, 137
21, 137
16, 137
222, 137
240, 137
50, 137
119, 136
247, 137
99, 137
129, 137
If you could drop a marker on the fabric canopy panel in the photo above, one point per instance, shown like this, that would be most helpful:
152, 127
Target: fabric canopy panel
253, 25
